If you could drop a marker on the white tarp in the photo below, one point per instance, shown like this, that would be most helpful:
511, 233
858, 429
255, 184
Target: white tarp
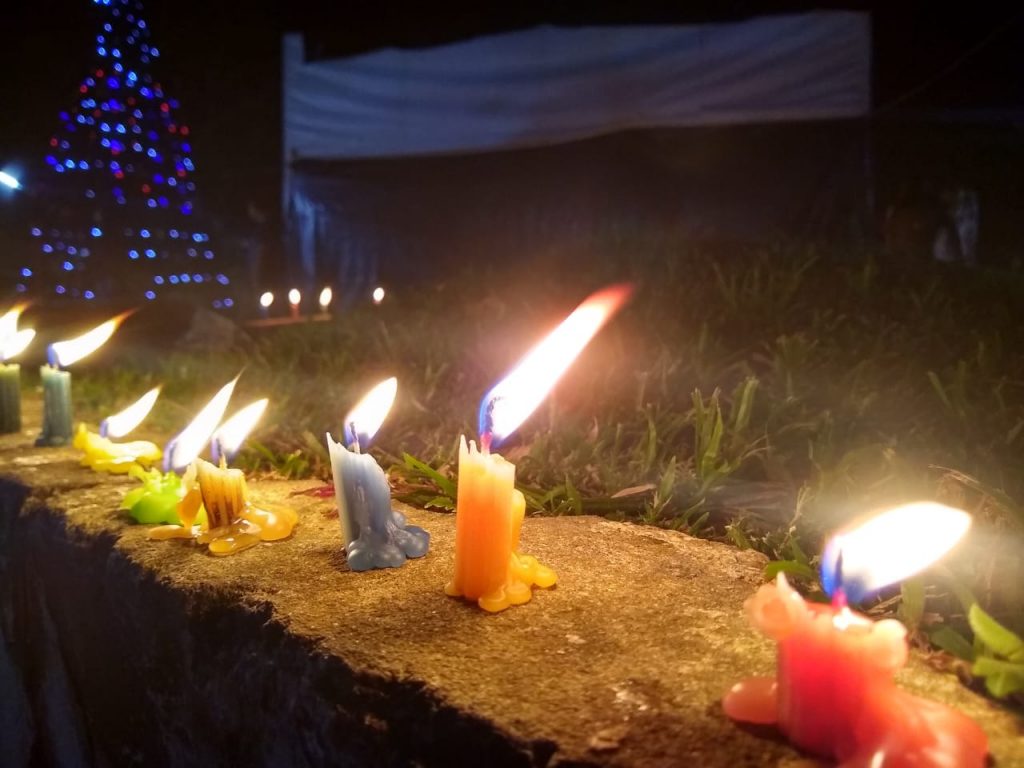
548, 85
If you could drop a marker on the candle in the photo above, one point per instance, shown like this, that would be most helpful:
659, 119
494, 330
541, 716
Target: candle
489, 510
10, 379
375, 535
104, 455
326, 296
266, 299
232, 523
57, 383
834, 693
161, 492
294, 299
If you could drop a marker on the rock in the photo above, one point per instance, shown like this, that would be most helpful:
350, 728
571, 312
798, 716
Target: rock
281, 655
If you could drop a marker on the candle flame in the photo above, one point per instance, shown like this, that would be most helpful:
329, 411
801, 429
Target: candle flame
294, 297
515, 397
363, 421
64, 353
14, 344
890, 547
378, 295
9, 321
120, 424
326, 296
232, 433
266, 299
184, 448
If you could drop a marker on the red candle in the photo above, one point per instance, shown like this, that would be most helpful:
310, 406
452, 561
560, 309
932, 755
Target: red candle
834, 694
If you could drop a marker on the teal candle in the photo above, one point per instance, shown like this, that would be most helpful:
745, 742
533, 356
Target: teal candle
10, 398
56, 407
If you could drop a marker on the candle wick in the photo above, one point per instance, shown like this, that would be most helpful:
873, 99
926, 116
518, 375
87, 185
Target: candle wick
103, 428
354, 447
223, 462
485, 442
839, 601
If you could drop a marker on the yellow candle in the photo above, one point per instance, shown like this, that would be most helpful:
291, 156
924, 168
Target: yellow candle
233, 524
488, 518
105, 455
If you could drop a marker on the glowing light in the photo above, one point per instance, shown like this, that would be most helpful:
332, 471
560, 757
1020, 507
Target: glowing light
9, 320
120, 424
64, 353
363, 421
266, 299
183, 449
14, 344
890, 547
9, 181
378, 295
232, 433
294, 297
325, 298
516, 396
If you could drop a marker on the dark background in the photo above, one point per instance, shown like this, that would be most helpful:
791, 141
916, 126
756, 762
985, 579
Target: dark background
222, 60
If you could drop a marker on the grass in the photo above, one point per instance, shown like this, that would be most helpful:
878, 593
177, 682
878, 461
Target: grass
758, 397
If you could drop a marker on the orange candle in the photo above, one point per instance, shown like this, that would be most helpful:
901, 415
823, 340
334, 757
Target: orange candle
489, 510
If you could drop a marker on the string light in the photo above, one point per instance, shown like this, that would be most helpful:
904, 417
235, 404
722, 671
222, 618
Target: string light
122, 123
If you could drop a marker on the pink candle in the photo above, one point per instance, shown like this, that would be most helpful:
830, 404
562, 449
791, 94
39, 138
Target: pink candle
834, 694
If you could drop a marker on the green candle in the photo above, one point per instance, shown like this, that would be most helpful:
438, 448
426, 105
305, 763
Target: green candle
56, 406
10, 398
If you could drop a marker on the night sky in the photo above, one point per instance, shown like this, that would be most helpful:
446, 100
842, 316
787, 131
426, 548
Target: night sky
222, 60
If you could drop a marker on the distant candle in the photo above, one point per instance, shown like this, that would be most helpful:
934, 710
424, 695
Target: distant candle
375, 535
378, 295
326, 296
266, 299
104, 455
294, 299
10, 378
834, 693
57, 429
489, 510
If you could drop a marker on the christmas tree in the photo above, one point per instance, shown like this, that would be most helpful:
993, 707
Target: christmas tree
120, 209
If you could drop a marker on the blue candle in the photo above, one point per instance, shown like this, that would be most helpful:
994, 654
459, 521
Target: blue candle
12, 343
10, 398
57, 383
376, 536
56, 406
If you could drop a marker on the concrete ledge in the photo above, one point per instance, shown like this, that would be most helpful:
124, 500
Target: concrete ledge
122, 651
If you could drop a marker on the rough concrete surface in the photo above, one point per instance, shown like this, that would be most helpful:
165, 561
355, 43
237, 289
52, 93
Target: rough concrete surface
122, 651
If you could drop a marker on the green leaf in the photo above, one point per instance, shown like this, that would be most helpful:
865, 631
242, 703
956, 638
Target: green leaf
1001, 677
792, 567
575, 501
440, 502
447, 487
951, 641
912, 602
996, 637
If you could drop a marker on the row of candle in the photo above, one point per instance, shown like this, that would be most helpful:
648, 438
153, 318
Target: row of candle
324, 300
834, 693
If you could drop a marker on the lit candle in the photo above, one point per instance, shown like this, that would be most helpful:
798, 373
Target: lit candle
378, 295
266, 299
834, 693
294, 299
156, 501
375, 535
326, 297
232, 523
489, 510
10, 379
57, 383
104, 455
